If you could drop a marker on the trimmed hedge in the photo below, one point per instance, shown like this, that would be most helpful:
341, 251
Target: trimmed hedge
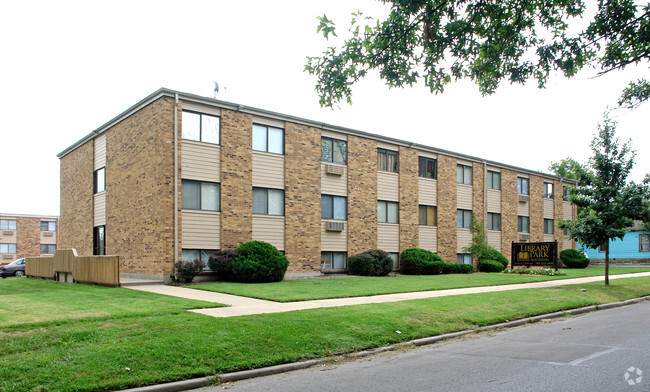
371, 263
415, 261
220, 262
259, 262
455, 268
495, 255
186, 271
574, 258
490, 266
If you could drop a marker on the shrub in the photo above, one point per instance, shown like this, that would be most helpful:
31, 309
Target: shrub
493, 254
221, 261
185, 271
455, 268
417, 261
258, 262
371, 263
535, 271
490, 266
574, 258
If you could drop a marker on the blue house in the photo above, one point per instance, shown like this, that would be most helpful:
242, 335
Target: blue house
634, 248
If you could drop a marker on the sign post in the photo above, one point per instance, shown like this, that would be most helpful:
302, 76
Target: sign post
534, 254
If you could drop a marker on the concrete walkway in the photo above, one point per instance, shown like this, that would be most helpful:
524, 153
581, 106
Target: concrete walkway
241, 306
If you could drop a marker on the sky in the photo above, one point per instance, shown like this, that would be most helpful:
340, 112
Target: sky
68, 67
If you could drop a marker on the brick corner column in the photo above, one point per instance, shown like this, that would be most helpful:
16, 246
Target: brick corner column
447, 208
509, 202
408, 199
536, 209
362, 195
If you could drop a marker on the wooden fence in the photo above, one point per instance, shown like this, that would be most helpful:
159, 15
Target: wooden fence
66, 266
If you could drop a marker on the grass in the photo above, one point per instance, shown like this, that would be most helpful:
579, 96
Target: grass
356, 286
129, 347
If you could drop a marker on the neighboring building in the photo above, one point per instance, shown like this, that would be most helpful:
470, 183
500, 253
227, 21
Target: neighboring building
633, 248
27, 236
179, 175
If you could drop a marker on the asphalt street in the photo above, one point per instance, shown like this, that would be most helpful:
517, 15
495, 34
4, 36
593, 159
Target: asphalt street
607, 350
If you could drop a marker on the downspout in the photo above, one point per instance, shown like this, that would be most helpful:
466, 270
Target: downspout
175, 177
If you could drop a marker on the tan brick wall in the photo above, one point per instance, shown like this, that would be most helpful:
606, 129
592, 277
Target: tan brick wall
362, 195
76, 222
28, 237
447, 208
558, 234
139, 190
536, 209
302, 198
408, 199
236, 178
509, 200
478, 192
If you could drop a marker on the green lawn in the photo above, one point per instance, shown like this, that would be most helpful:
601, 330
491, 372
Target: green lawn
357, 286
145, 339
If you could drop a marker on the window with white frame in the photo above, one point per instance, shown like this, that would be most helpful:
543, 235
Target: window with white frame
548, 190
200, 195
8, 249
428, 168
463, 219
387, 211
523, 185
197, 254
523, 224
464, 174
333, 207
463, 258
8, 224
548, 226
493, 221
99, 180
566, 232
428, 215
494, 180
565, 193
334, 150
334, 260
387, 160
268, 201
48, 226
200, 127
48, 249
268, 139
644, 242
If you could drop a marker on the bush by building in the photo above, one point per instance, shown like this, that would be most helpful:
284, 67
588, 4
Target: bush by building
258, 262
371, 263
186, 271
573, 258
490, 266
220, 262
415, 261
455, 268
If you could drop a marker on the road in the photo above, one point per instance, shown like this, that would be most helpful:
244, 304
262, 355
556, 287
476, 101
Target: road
590, 353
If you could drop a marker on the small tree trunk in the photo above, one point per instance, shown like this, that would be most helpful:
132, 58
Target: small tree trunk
607, 265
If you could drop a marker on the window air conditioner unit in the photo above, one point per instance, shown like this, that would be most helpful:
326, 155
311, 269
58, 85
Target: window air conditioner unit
335, 226
48, 234
334, 170
524, 237
524, 198
8, 232
7, 256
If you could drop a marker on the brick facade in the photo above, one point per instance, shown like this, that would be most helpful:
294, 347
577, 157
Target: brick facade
536, 210
447, 207
558, 234
76, 229
509, 200
478, 191
408, 199
28, 236
362, 195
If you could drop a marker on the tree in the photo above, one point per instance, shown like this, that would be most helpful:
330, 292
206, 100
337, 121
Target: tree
435, 41
607, 203
566, 168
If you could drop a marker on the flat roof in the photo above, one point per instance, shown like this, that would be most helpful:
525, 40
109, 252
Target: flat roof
165, 92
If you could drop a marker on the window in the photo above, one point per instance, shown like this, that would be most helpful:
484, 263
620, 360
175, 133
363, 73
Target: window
333, 207
7, 224
387, 160
99, 240
387, 212
268, 201
428, 168
99, 180
493, 221
602, 248
522, 185
48, 226
566, 232
268, 139
198, 195
8, 248
565, 193
395, 257
463, 258
548, 190
333, 260
644, 242
201, 127
464, 174
334, 150
523, 224
548, 226
48, 249
463, 219
494, 180
428, 216
197, 254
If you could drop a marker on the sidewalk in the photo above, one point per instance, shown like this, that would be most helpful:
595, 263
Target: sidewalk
241, 306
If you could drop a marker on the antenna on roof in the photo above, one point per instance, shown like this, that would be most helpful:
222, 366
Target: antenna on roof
216, 89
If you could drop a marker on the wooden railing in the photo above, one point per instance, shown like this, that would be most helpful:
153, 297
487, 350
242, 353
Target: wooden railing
66, 266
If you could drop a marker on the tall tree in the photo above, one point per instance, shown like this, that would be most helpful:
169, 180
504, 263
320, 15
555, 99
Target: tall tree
566, 168
607, 203
435, 41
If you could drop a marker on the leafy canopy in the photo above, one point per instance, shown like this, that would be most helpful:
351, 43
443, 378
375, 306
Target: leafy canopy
437, 41
566, 168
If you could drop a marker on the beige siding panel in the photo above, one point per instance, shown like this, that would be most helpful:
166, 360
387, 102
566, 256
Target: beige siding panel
387, 146
201, 229
334, 135
48, 237
548, 208
428, 154
429, 238
462, 162
268, 121
388, 237
269, 229
494, 169
334, 240
464, 239
428, 191
100, 209
200, 161
464, 197
494, 201
387, 186
549, 237
523, 208
567, 210
202, 109
494, 239
100, 151
268, 170
567, 244
333, 184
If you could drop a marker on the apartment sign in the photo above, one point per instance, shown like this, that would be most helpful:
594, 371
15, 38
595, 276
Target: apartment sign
534, 254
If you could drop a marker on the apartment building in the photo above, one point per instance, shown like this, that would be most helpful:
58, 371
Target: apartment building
177, 176
27, 236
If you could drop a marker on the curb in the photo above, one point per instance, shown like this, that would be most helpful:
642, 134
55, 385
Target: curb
287, 367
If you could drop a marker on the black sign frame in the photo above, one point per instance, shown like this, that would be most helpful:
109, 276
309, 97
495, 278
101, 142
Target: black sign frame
534, 254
